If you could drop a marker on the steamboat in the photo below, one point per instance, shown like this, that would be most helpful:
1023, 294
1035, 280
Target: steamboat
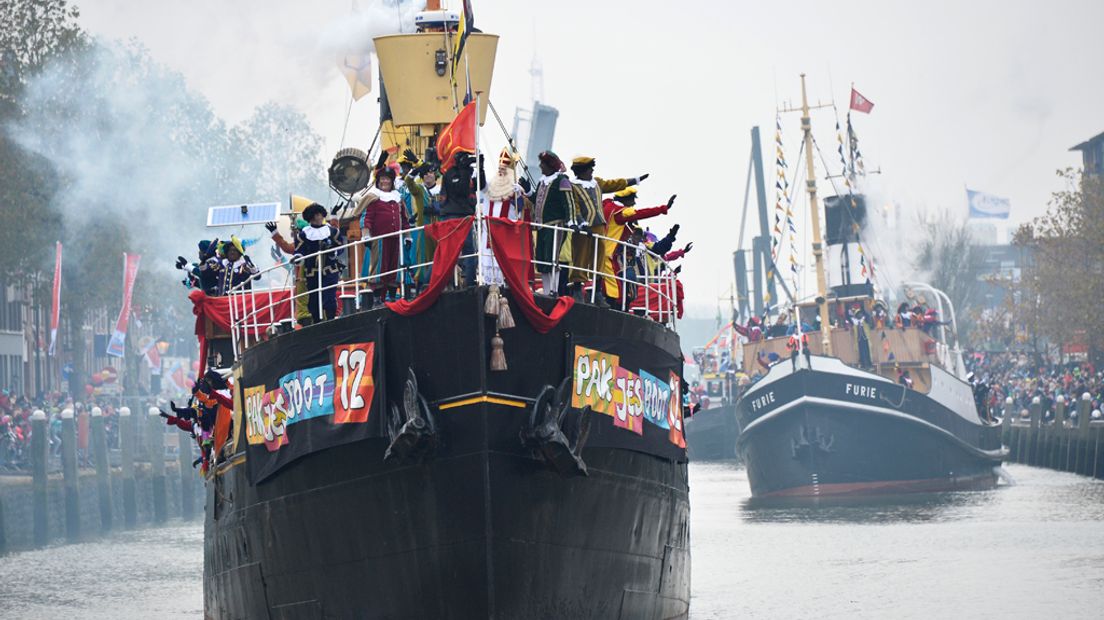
381, 464
846, 405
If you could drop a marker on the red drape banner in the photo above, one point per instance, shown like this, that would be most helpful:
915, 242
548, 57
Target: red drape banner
511, 243
450, 236
217, 310
656, 301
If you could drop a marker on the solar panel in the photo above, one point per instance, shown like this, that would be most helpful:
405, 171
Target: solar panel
237, 215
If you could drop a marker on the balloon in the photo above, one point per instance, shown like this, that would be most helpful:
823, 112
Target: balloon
88, 389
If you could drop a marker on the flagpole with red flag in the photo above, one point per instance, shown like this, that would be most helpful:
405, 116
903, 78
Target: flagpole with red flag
860, 103
55, 299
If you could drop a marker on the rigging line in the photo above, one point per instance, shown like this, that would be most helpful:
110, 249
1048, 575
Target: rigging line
345, 126
510, 140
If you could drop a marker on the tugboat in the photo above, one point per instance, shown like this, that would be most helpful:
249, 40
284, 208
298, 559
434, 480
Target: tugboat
446, 461
850, 404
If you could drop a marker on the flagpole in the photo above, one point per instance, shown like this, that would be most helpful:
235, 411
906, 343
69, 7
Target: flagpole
480, 223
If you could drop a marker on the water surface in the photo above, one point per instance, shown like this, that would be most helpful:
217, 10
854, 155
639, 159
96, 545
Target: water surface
1031, 550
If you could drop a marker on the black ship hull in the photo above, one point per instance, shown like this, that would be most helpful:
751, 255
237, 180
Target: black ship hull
478, 526
833, 430
711, 434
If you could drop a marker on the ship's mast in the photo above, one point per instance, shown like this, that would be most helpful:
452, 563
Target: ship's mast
814, 210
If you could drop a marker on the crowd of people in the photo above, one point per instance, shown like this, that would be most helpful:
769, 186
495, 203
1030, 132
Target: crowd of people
198, 417
1023, 377
590, 214
16, 429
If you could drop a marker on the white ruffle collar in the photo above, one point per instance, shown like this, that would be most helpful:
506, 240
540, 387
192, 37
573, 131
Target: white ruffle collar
391, 196
319, 233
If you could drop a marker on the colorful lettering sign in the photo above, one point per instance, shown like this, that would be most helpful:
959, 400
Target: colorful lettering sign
674, 414
308, 393
594, 380
254, 414
264, 418
600, 382
628, 409
352, 372
657, 399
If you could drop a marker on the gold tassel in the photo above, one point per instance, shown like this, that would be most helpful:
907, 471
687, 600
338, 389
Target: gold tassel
498, 356
490, 308
505, 318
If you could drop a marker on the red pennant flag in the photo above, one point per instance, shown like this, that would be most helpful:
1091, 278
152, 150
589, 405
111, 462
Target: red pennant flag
860, 103
458, 137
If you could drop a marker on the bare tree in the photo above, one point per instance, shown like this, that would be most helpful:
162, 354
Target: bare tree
949, 255
1067, 273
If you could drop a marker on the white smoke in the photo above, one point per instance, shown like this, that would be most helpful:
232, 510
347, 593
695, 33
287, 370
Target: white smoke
353, 33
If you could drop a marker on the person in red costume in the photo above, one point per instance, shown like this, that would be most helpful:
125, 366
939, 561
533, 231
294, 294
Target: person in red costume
382, 210
619, 212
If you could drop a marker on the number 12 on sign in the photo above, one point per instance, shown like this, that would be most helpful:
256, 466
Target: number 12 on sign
354, 385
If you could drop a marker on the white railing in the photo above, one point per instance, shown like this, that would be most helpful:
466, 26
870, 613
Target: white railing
656, 296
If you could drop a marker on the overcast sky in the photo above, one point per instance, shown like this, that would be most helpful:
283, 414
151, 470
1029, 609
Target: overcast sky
986, 94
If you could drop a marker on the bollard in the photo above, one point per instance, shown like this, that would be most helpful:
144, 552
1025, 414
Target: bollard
1079, 438
1006, 421
103, 471
1033, 434
187, 477
155, 441
1096, 432
69, 473
126, 445
39, 455
1054, 451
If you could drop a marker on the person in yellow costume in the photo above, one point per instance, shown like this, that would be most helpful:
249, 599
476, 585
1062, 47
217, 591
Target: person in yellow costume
619, 212
588, 217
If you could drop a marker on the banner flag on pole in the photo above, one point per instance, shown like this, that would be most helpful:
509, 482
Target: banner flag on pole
55, 299
458, 136
860, 103
987, 206
152, 356
357, 69
463, 28
118, 337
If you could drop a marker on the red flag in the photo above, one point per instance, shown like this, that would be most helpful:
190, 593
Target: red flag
458, 137
118, 337
860, 103
55, 298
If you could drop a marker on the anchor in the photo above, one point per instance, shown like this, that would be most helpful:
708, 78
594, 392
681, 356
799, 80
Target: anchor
804, 445
545, 431
413, 430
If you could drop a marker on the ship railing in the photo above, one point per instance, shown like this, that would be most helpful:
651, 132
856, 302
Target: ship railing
252, 320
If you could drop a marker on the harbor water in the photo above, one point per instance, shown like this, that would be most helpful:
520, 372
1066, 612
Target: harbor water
1030, 549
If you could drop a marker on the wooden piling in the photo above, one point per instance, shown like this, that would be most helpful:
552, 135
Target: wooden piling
156, 445
39, 456
127, 440
1036, 410
187, 477
1078, 438
69, 474
103, 469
